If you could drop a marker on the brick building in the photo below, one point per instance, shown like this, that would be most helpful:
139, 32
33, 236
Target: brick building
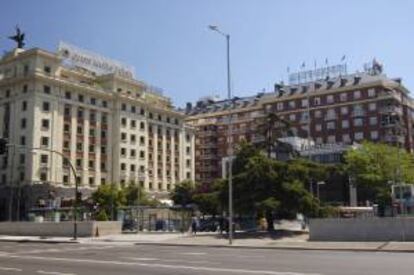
345, 109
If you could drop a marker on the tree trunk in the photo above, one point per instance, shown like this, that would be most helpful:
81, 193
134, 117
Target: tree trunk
269, 220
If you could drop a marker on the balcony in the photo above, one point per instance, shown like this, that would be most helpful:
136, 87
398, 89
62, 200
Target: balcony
391, 110
331, 117
208, 145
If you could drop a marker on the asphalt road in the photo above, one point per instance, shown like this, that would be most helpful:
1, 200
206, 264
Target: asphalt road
77, 259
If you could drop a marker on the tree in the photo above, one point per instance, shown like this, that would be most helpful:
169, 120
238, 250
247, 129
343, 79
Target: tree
183, 193
269, 188
134, 195
273, 127
108, 196
377, 166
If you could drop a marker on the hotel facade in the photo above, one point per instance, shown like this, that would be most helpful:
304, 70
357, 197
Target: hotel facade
113, 128
338, 110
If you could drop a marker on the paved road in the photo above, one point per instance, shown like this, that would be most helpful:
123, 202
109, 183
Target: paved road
76, 259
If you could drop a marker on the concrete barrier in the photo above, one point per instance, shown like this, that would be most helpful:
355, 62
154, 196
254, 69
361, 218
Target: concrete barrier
60, 229
370, 229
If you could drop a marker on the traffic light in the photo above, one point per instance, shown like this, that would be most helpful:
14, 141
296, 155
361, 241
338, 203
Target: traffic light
3, 146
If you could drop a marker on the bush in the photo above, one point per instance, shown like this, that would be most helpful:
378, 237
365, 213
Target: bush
102, 216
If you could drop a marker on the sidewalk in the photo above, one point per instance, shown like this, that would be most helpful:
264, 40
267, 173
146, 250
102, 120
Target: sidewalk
292, 241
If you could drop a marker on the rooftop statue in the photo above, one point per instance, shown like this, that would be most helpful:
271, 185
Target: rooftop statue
19, 38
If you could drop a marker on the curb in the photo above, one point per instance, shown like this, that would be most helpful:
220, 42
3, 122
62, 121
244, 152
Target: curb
280, 247
39, 241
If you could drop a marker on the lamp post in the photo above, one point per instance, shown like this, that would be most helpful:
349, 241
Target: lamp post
230, 172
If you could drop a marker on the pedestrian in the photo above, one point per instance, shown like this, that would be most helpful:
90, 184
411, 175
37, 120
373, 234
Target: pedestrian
194, 225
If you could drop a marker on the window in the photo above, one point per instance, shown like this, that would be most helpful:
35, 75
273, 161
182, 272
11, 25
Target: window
66, 144
68, 95
142, 112
343, 97
66, 128
359, 136
91, 148
22, 158
133, 153
47, 69
79, 147
44, 159
318, 114
80, 113
330, 99
44, 141
317, 101
104, 104
345, 124
45, 124
142, 154
23, 123
124, 137
159, 117
24, 105
103, 134
46, 106
46, 89
133, 109
371, 92
292, 104
373, 120
279, 106
319, 140
123, 166
123, 122
80, 98
103, 150
79, 162
132, 168
91, 164
133, 123
25, 88
103, 166
304, 103
358, 122
123, 152
346, 138
93, 101
133, 138
43, 176
344, 110
91, 132
330, 125
372, 106
142, 125
124, 107
318, 127
292, 117
79, 130
22, 140
65, 179
357, 94
331, 139
374, 134
142, 140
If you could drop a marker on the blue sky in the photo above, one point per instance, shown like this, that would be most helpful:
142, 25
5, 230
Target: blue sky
169, 45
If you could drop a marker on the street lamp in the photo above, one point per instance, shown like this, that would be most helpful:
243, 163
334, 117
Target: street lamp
230, 176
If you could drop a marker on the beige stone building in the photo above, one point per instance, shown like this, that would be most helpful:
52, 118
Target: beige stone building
112, 127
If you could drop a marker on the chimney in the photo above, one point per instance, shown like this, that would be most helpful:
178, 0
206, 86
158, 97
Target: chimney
188, 106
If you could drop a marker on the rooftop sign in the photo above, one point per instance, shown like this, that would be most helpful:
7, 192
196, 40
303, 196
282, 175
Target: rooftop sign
94, 62
317, 74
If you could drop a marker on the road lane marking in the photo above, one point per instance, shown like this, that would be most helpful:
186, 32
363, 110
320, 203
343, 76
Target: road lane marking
10, 269
155, 265
169, 260
193, 253
53, 273
142, 259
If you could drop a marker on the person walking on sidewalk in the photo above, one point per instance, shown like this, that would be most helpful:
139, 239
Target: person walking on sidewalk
194, 225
